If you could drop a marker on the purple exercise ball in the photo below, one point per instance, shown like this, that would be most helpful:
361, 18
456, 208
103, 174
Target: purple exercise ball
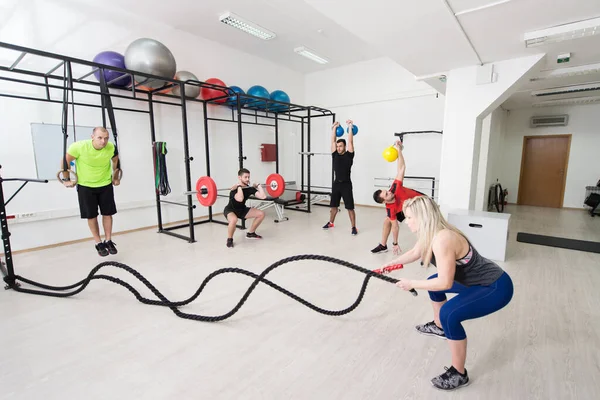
112, 59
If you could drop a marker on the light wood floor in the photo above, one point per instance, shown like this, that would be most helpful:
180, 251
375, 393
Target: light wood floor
104, 344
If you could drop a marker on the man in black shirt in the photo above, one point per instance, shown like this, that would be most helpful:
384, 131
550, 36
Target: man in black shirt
343, 159
236, 208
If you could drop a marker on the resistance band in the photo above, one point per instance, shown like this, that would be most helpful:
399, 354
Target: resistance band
161, 179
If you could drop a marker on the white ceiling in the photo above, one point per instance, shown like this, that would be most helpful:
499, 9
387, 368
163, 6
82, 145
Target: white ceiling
294, 22
426, 37
431, 37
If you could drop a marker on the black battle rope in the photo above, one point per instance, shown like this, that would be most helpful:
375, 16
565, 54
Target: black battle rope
173, 305
160, 168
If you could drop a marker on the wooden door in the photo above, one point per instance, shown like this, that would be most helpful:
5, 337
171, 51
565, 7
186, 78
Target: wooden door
544, 170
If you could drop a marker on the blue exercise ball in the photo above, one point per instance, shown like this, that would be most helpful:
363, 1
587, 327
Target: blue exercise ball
258, 91
339, 131
234, 91
279, 95
112, 59
354, 130
151, 57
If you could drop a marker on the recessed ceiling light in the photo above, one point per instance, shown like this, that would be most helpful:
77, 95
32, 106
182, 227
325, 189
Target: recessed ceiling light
303, 51
561, 33
246, 26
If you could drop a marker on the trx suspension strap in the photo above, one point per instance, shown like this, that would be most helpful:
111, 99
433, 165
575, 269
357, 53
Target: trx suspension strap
107, 105
67, 176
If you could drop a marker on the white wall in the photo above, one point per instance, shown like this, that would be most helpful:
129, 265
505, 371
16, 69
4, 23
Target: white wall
381, 98
469, 99
490, 157
136, 194
584, 163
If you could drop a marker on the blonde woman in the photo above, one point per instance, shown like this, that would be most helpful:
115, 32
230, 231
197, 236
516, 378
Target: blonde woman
482, 287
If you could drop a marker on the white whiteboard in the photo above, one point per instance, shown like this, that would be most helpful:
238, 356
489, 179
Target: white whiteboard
48, 146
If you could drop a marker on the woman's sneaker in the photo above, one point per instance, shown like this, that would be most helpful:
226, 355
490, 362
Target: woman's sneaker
450, 380
431, 329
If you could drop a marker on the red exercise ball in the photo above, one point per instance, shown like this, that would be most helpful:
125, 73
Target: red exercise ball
208, 93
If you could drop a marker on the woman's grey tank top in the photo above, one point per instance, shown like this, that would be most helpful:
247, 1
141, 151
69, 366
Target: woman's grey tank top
474, 269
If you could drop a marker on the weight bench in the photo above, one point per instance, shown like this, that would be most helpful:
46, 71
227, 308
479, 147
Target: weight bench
279, 203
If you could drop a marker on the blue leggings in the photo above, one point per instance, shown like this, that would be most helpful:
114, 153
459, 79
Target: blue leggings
470, 303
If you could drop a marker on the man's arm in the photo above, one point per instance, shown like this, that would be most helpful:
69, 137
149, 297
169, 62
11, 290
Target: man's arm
69, 159
401, 164
395, 230
350, 137
115, 162
334, 137
260, 194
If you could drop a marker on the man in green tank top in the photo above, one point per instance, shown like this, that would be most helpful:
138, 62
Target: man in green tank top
95, 162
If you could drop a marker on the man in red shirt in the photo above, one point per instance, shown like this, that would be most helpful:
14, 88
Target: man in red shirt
394, 199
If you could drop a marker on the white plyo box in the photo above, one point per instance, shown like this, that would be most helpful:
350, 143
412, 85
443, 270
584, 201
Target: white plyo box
487, 231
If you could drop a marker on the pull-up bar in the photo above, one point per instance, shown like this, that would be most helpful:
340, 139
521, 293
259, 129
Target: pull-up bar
401, 134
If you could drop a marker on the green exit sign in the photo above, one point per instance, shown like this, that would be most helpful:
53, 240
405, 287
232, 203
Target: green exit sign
563, 58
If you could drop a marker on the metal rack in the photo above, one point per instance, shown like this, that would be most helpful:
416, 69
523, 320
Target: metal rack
136, 94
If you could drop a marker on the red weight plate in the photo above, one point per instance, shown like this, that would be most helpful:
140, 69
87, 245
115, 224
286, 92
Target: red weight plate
275, 185
211, 187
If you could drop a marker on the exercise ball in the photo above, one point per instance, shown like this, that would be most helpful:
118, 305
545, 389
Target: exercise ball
113, 59
150, 57
279, 95
354, 130
390, 154
234, 91
258, 91
190, 90
209, 93
339, 131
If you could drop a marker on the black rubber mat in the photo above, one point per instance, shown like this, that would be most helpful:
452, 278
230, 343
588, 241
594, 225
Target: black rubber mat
572, 244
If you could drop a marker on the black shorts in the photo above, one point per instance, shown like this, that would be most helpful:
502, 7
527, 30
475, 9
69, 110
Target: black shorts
91, 198
399, 216
241, 213
342, 190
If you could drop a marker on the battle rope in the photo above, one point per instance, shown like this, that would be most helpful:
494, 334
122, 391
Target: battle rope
161, 179
81, 285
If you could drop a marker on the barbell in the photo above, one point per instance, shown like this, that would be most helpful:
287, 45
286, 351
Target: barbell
206, 188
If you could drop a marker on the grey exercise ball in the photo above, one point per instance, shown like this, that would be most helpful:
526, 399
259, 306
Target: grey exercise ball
190, 91
150, 57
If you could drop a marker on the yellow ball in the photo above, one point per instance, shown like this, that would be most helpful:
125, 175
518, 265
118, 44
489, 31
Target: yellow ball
390, 154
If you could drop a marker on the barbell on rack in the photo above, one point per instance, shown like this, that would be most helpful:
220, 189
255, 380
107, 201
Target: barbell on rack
206, 189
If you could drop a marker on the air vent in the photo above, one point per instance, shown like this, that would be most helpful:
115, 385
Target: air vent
550, 120
591, 87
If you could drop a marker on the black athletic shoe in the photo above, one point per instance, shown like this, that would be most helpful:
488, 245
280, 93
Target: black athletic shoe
354, 231
450, 380
101, 249
229, 242
379, 249
110, 246
328, 225
431, 329
253, 235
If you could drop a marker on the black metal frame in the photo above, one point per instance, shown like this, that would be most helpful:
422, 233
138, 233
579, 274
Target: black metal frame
8, 270
291, 112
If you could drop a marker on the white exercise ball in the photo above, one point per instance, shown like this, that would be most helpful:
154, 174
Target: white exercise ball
190, 90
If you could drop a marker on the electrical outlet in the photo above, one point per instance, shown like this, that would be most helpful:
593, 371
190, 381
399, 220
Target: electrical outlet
26, 215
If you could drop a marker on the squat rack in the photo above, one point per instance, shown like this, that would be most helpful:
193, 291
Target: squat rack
150, 97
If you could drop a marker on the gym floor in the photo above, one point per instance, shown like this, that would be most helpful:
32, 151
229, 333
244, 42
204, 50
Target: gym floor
104, 344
